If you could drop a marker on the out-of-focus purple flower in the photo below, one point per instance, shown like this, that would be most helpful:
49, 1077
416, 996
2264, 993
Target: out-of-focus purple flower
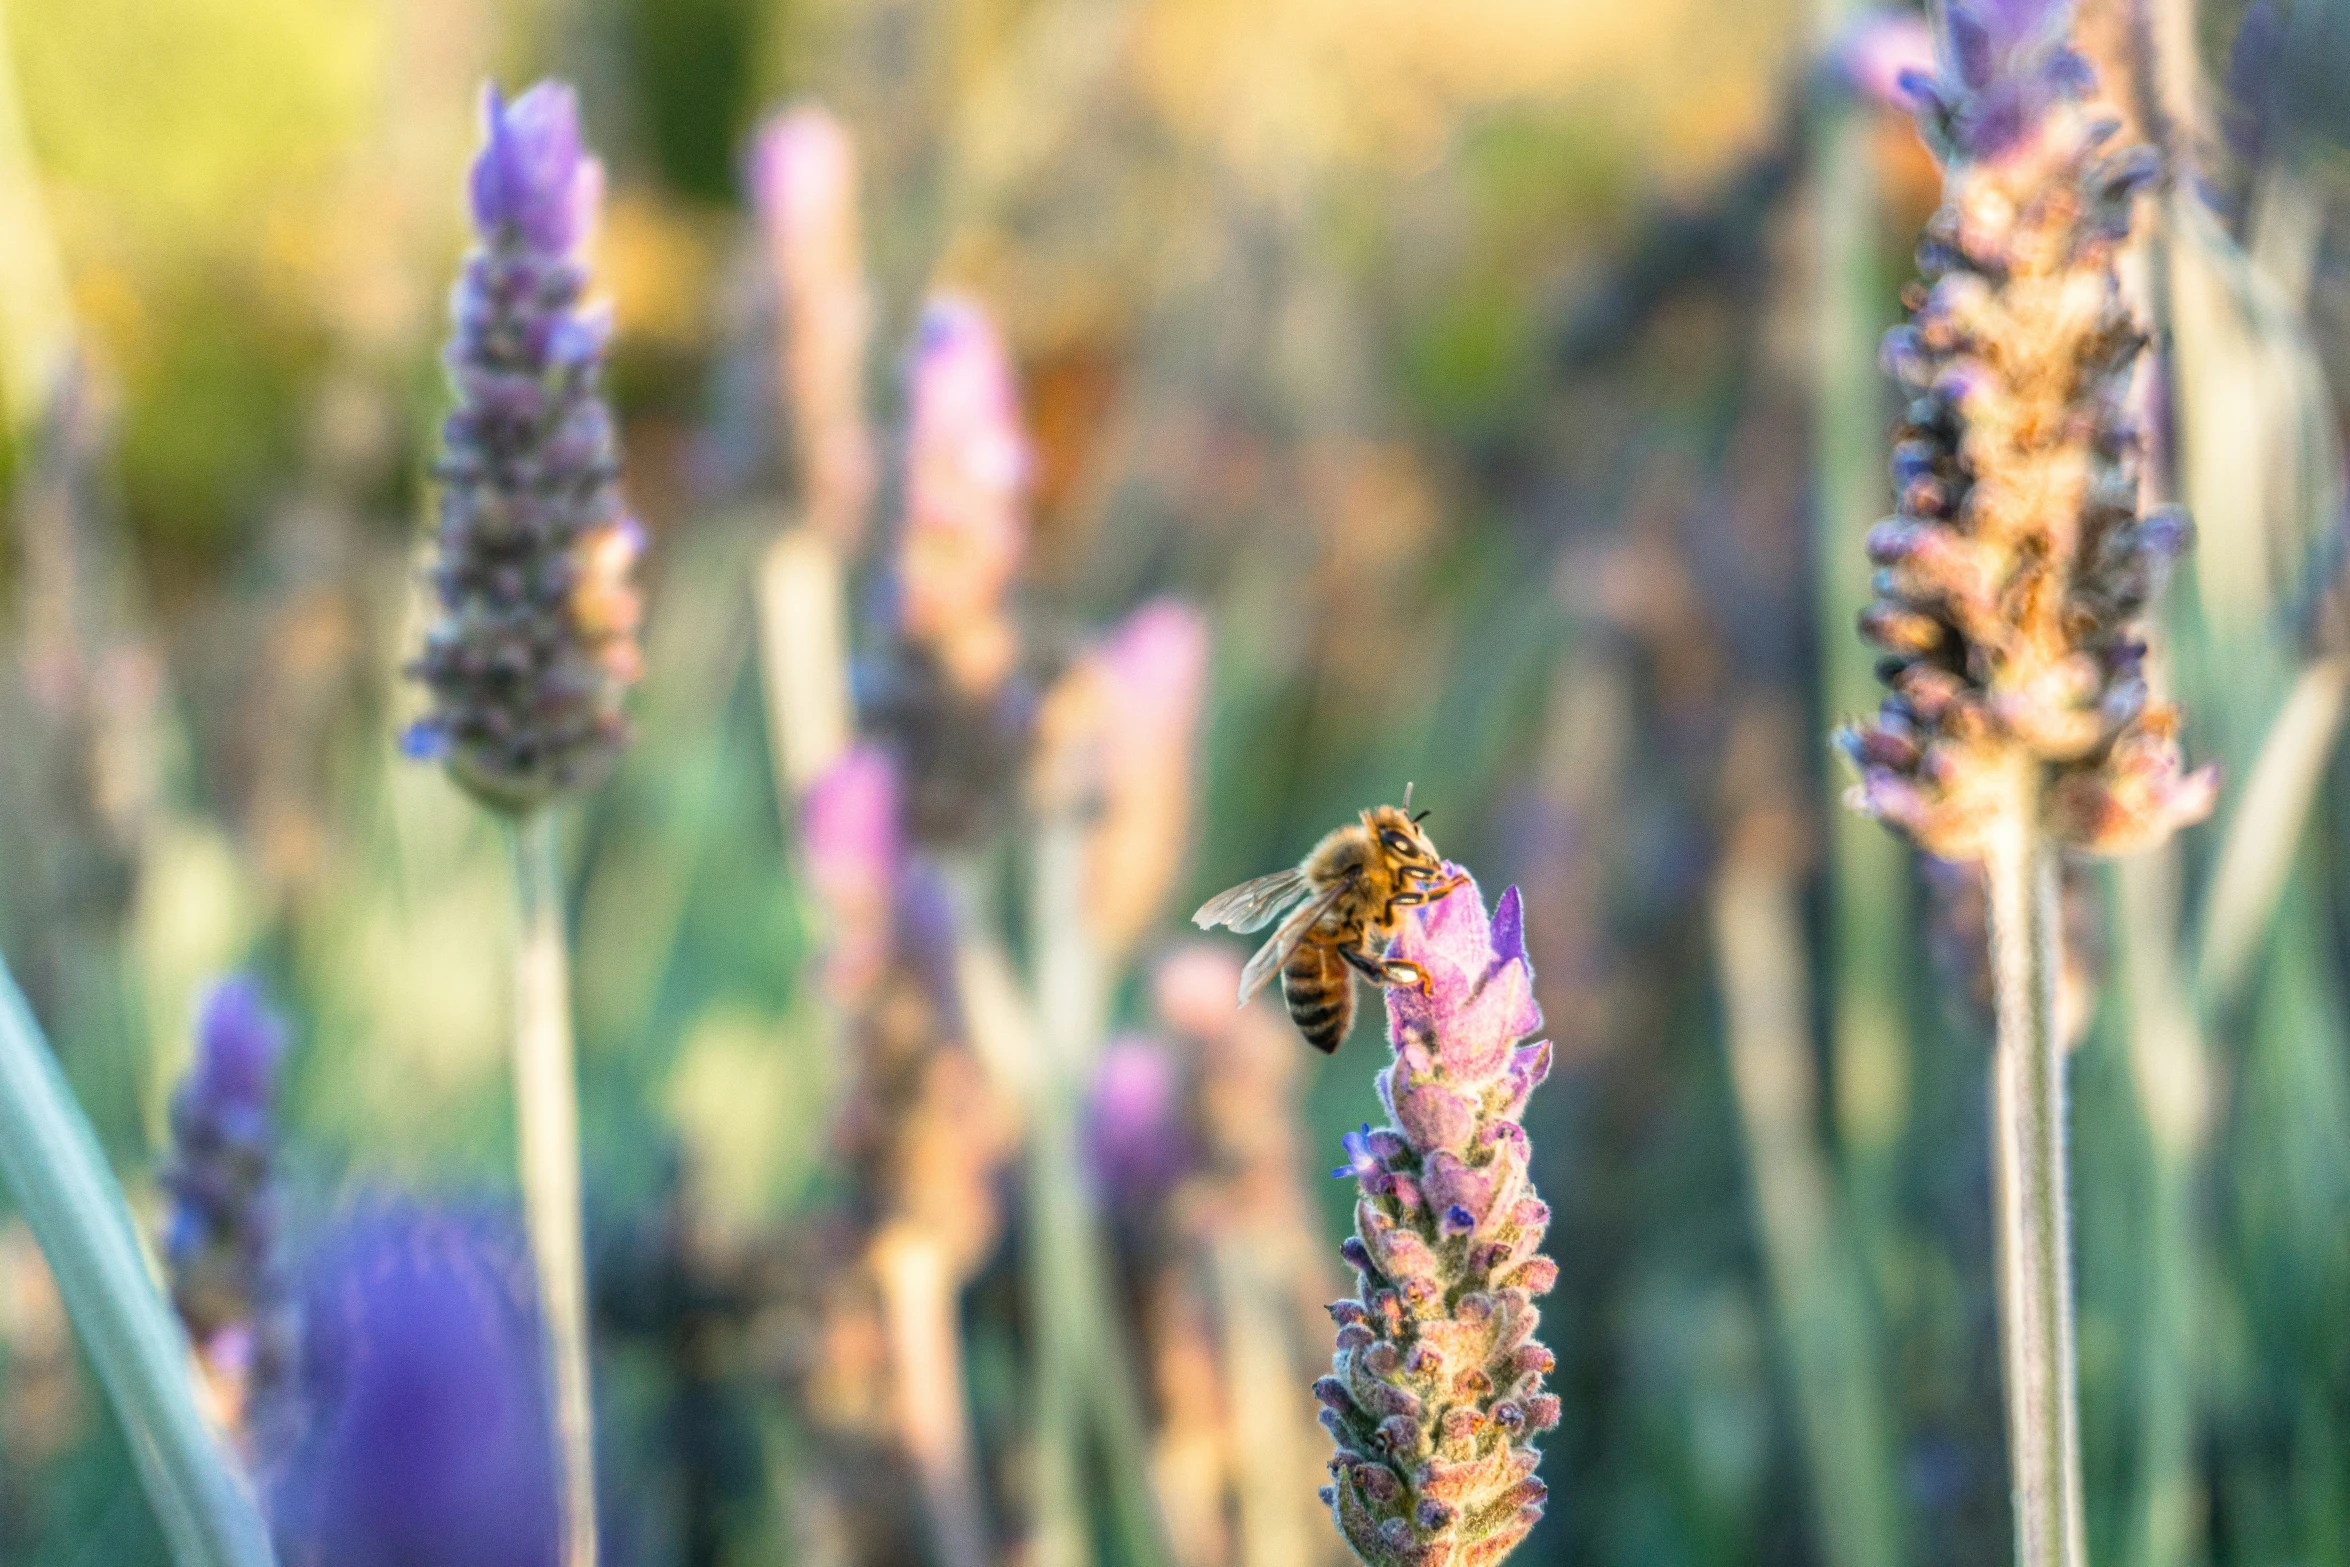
849, 829
533, 176
238, 1043
536, 644
2003, 65
220, 1240
804, 184
1878, 50
967, 468
424, 1436
1135, 1136
1437, 1388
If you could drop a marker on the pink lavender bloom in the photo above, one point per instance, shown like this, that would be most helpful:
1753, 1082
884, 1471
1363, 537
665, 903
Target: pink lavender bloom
804, 185
423, 1436
855, 854
967, 469
1878, 51
1135, 1135
221, 1238
536, 641
1437, 1388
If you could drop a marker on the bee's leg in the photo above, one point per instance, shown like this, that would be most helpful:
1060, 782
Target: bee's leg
1368, 967
1401, 971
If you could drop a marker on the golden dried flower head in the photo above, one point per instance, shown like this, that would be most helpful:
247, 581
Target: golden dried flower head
2010, 581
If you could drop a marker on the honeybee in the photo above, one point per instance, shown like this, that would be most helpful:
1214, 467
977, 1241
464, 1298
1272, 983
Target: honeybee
1354, 883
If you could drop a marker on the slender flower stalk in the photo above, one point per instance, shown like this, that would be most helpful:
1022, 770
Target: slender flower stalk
1437, 1389
546, 1105
2020, 722
536, 645
1084, 1382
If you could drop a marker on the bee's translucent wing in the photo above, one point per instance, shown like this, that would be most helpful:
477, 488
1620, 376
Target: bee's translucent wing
1285, 941
1252, 904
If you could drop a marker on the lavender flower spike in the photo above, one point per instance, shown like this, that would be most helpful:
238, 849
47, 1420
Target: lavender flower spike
2010, 583
1437, 1388
536, 641
221, 1238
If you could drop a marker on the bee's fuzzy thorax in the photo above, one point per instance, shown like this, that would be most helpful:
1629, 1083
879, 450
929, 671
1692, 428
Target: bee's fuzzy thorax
1437, 1385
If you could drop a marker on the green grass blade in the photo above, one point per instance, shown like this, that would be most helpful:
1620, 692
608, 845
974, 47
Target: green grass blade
51, 1162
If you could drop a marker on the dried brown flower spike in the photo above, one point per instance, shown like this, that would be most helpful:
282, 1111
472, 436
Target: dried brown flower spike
2009, 583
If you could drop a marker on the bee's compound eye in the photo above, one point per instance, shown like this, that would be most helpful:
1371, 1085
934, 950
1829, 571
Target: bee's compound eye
1396, 842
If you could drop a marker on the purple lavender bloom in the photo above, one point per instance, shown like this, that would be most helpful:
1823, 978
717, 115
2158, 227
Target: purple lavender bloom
1437, 1386
2004, 64
1361, 1164
536, 642
423, 1435
222, 1229
533, 176
1135, 1137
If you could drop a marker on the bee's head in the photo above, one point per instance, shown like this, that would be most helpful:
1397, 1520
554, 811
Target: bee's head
1400, 837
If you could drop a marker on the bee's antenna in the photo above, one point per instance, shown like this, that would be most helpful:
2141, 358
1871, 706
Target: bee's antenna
1407, 796
1417, 820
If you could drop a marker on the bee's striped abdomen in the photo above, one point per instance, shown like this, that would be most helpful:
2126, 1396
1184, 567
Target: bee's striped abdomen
1320, 990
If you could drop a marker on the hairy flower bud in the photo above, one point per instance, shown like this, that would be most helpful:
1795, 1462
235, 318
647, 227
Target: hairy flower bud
2010, 583
1437, 1384
535, 644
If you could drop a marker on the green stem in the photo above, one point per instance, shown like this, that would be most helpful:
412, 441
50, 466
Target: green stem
546, 1112
2033, 1221
1823, 1310
2169, 1067
2266, 826
77, 1214
1868, 869
1085, 1369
